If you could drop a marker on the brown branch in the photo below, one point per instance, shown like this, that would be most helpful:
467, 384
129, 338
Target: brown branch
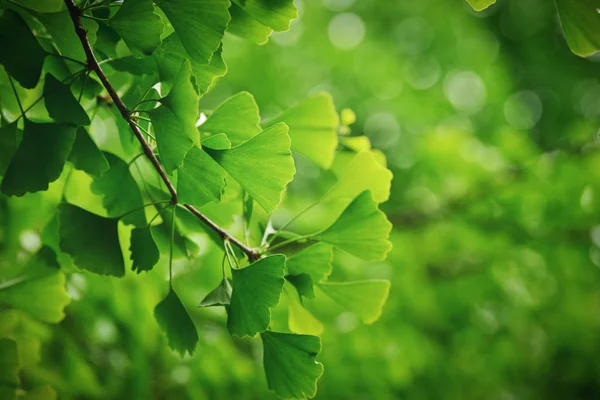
92, 65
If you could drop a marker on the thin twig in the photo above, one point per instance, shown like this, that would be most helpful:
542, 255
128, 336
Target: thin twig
92, 64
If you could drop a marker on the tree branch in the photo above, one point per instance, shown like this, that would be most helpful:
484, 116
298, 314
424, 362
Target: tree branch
93, 65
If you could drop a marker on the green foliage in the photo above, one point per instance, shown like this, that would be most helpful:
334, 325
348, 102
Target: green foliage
9, 369
176, 323
138, 25
579, 20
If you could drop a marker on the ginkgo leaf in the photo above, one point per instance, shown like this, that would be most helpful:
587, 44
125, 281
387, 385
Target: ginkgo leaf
237, 117
290, 364
171, 54
364, 172
91, 240
175, 121
314, 261
38, 290
300, 320
61, 104
362, 230
303, 284
20, 53
275, 14
40, 158
256, 289
313, 127
144, 251
120, 193
580, 21
244, 26
263, 165
138, 25
86, 156
217, 142
8, 145
365, 298
47, 6
219, 296
9, 368
199, 24
200, 180
480, 5
176, 324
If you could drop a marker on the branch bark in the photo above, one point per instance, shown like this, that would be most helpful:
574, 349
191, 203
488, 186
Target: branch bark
93, 65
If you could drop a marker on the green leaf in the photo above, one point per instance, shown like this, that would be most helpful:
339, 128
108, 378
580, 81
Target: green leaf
144, 251
200, 180
290, 365
275, 14
313, 127
256, 289
244, 26
237, 117
175, 121
365, 298
8, 145
219, 296
314, 261
199, 24
175, 322
46, 6
61, 104
9, 369
120, 193
40, 158
44, 392
300, 320
86, 156
138, 25
263, 165
303, 284
20, 53
91, 240
217, 142
38, 290
580, 21
364, 172
171, 54
480, 5
361, 230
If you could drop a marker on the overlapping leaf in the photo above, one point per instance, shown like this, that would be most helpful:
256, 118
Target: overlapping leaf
138, 25
244, 26
313, 127
219, 296
274, 14
62, 106
479, 5
175, 322
362, 230
365, 298
256, 289
263, 165
40, 158
290, 365
86, 156
314, 261
237, 117
200, 180
300, 320
91, 240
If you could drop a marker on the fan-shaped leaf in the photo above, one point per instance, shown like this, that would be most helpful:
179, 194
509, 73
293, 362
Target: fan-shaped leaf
219, 296
580, 21
275, 14
263, 165
365, 298
61, 104
244, 26
144, 251
200, 180
314, 261
237, 117
256, 289
86, 156
138, 25
300, 320
175, 322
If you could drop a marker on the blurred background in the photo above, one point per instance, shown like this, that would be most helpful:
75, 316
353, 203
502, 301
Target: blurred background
490, 126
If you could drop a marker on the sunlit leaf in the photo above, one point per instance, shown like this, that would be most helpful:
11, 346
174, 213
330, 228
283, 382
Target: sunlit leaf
9, 369
200, 180
244, 26
219, 296
40, 158
199, 24
217, 142
362, 230
313, 128
479, 5
300, 320
175, 322
86, 156
138, 25
256, 289
275, 14
91, 240
144, 251
263, 165
170, 55
175, 121
314, 261
62, 106
237, 117
365, 298
580, 21
290, 365
20, 53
